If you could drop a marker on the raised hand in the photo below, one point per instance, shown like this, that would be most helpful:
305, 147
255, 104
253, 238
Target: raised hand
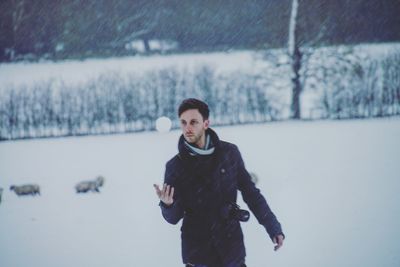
165, 194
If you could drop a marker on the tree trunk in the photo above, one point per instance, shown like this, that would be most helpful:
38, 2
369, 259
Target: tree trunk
296, 55
18, 15
146, 45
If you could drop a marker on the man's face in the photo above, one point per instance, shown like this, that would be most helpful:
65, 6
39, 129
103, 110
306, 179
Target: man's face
193, 127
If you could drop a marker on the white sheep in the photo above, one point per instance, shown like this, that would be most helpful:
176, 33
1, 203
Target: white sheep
27, 189
93, 186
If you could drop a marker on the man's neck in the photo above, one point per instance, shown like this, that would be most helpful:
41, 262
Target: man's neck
202, 142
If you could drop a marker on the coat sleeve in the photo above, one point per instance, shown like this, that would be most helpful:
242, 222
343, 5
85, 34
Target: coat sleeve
173, 213
256, 201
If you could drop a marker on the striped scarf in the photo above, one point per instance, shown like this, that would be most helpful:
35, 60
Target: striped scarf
195, 151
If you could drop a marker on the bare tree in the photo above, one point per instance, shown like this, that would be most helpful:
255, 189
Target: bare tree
19, 14
137, 22
295, 55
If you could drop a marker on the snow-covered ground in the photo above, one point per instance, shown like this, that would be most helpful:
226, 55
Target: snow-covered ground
334, 185
80, 71
75, 71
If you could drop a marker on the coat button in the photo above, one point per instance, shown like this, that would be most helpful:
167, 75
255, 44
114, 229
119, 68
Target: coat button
222, 170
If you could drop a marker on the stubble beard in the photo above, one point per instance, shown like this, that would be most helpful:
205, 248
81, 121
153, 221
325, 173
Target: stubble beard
194, 139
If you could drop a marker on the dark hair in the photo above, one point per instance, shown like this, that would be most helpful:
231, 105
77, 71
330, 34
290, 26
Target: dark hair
193, 103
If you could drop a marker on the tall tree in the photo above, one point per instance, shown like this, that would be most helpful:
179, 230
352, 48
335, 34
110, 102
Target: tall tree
15, 14
295, 55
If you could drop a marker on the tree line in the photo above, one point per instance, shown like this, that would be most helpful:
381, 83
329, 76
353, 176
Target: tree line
58, 29
342, 82
115, 104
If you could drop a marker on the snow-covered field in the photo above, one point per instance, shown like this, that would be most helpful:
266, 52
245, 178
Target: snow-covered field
75, 72
334, 185
81, 71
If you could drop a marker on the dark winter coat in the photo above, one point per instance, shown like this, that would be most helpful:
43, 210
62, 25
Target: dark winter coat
204, 187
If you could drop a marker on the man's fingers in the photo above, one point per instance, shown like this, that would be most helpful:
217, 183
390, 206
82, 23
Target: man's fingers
278, 246
158, 191
278, 240
157, 187
166, 193
170, 194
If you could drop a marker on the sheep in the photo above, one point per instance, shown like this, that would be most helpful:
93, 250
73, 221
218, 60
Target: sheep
1, 192
85, 186
27, 189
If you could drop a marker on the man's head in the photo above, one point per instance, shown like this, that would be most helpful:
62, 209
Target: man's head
193, 103
193, 116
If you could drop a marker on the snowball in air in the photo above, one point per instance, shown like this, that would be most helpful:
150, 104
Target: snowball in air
163, 124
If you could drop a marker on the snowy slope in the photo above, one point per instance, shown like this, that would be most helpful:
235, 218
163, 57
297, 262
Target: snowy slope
75, 71
80, 71
334, 185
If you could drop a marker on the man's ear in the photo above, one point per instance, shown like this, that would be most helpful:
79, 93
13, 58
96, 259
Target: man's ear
206, 123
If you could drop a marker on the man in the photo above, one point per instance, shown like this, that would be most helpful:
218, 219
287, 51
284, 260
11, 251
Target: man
200, 186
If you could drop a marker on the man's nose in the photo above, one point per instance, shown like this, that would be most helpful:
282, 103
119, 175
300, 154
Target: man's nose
188, 128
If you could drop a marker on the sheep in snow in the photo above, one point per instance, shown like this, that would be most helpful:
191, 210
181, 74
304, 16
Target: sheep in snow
93, 186
27, 189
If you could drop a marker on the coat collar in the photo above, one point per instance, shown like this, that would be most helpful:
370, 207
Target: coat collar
183, 150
